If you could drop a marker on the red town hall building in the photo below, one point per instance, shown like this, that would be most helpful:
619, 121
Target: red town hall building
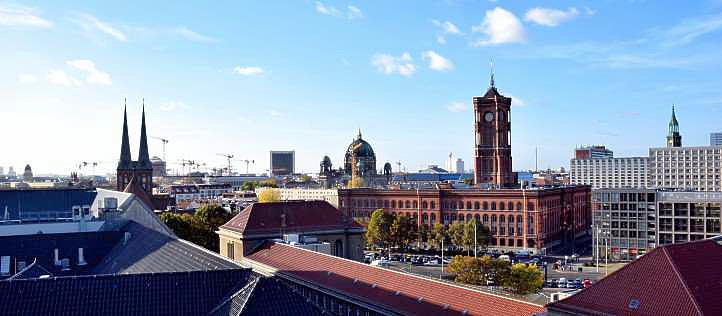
535, 219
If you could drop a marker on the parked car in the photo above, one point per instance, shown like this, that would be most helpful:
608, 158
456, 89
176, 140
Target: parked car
562, 282
578, 283
555, 283
586, 283
549, 283
380, 263
570, 284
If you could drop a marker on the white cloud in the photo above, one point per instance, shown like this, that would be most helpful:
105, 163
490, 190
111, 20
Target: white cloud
172, 106
354, 12
441, 40
447, 27
457, 107
589, 11
193, 36
326, 10
387, 64
690, 29
13, 15
27, 78
91, 23
500, 26
93, 75
438, 62
516, 101
60, 78
275, 113
248, 71
550, 17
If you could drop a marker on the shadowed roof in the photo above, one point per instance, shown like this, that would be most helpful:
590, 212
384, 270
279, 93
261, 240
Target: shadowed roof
291, 216
395, 291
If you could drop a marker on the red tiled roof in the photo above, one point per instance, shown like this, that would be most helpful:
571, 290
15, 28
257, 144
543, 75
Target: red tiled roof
298, 216
135, 188
416, 295
679, 279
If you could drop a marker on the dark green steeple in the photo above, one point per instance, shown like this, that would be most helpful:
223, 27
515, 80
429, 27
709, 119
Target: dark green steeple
125, 160
674, 139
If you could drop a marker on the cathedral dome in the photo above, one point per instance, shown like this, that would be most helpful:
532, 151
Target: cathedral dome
364, 154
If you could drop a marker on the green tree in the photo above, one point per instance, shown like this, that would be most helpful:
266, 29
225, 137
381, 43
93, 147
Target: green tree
466, 269
378, 231
200, 228
402, 231
482, 234
438, 233
456, 234
269, 195
499, 271
179, 224
524, 279
423, 233
248, 186
269, 183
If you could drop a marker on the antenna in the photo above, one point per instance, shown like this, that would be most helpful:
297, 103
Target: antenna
491, 72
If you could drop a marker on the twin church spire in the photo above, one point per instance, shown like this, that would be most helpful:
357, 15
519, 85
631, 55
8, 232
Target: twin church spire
126, 161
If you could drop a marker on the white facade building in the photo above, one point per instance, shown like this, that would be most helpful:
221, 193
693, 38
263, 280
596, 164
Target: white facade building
459, 166
689, 168
328, 195
610, 173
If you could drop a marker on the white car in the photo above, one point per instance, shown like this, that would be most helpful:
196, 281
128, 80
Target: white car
380, 263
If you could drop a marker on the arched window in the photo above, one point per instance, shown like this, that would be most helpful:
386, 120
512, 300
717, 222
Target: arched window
386, 203
424, 205
461, 205
468, 217
408, 204
518, 206
511, 219
468, 205
493, 206
433, 218
493, 219
476, 217
530, 206
401, 204
502, 205
486, 205
425, 218
416, 204
433, 205
476, 205
501, 219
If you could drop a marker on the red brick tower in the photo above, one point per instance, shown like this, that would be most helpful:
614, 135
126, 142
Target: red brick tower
492, 152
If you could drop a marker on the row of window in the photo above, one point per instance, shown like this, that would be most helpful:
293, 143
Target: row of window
449, 205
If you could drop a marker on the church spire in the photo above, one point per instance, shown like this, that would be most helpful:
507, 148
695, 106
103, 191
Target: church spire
125, 159
674, 139
143, 157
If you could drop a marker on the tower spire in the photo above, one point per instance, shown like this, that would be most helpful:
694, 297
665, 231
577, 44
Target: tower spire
359, 133
143, 157
125, 144
491, 73
674, 139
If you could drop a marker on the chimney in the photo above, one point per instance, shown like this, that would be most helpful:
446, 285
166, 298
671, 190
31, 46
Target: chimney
81, 257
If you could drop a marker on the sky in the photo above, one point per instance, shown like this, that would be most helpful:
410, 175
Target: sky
244, 78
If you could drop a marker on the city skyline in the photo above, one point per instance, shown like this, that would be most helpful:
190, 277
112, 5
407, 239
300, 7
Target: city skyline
243, 83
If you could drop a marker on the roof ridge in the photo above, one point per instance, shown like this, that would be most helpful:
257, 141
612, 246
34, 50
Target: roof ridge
681, 279
408, 274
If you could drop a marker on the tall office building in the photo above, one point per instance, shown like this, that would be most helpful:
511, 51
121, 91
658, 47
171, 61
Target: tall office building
593, 152
282, 163
687, 216
715, 139
623, 222
626, 172
459, 166
689, 168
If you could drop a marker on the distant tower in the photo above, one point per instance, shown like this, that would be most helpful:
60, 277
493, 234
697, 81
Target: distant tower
492, 128
674, 139
141, 170
28, 174
2, 171
459, 166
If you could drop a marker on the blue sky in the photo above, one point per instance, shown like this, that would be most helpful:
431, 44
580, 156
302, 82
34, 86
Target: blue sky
246, 78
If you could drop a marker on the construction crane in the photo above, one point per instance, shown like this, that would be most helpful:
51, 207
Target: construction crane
229, 157
399, 164
247, 162
165, 141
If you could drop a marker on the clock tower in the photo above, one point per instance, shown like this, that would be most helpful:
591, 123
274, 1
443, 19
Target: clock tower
674, 139
492, 150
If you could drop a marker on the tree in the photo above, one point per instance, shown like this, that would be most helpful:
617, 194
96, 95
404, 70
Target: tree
179, 224
438, 233
456, 233
482, 234
423, 233
402, 231
499, 270
200, 228
269, 183
248, 186
269, 195
378, 231
524, 279
466, 269
357, 182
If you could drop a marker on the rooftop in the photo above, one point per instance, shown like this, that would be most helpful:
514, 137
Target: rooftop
677, 279
387, 289
291, 216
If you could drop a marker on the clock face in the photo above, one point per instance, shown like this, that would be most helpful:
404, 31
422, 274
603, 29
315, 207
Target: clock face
488, 116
